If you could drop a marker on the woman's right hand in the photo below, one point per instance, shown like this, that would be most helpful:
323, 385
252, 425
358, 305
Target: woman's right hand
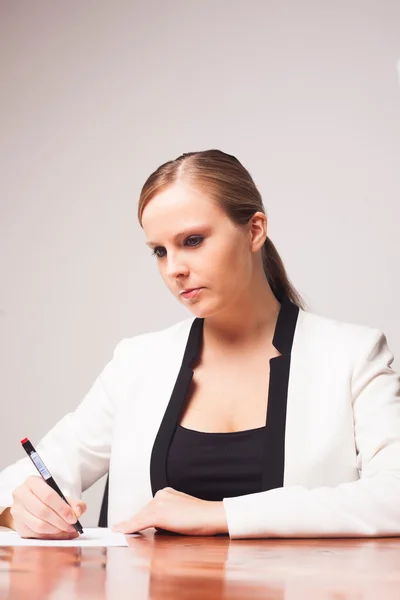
39, 512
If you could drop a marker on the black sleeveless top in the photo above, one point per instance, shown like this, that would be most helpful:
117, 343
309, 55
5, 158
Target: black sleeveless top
213, 466
217, 465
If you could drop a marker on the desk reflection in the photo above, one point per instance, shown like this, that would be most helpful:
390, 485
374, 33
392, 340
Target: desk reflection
160, 566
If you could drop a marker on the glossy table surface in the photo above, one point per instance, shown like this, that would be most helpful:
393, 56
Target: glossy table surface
174, 567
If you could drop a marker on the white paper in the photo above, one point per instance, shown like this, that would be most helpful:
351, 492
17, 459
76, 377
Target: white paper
92, 536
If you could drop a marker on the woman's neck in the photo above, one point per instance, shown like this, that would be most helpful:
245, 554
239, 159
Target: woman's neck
251, 319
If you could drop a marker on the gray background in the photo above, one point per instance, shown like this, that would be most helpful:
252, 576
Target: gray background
95, 95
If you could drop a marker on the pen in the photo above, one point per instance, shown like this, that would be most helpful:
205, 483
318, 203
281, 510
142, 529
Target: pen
44, 472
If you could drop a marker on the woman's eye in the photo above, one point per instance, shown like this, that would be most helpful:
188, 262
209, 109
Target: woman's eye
155, 252
197, 239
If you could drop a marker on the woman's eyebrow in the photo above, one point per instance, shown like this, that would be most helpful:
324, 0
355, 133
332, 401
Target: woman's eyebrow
192, 229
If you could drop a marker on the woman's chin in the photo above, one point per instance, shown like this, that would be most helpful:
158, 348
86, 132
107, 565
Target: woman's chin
198, 312
201, 310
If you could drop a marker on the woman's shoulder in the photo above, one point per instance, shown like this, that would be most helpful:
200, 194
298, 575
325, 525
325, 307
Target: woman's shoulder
346, 333
158, 339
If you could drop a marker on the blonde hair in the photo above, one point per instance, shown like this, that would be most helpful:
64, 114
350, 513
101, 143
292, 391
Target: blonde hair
230, 185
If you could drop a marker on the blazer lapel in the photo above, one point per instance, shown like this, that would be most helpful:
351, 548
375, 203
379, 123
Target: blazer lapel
158, 460
274, 440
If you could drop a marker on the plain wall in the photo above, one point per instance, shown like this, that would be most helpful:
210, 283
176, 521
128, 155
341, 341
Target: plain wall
96, 95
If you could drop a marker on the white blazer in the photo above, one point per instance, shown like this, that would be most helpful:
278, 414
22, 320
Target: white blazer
333, 394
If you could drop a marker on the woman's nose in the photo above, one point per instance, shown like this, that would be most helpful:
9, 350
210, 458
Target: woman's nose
176, 267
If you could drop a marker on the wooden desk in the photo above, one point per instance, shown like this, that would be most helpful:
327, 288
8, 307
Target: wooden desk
206, 568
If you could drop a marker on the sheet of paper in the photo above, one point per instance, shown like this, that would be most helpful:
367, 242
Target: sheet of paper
92, 536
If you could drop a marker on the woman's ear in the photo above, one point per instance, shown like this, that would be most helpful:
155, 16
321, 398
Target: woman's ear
258, 230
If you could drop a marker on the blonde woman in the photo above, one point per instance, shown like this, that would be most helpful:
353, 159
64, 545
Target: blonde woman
253, 417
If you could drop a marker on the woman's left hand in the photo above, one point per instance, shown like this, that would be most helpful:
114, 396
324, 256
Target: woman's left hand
179, 513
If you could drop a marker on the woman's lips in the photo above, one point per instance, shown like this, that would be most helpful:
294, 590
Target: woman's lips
192, 293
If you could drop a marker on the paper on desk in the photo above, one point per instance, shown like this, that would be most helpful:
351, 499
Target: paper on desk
92, 536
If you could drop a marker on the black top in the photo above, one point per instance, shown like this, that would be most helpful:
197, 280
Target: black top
168, 467
269, 439
214, 466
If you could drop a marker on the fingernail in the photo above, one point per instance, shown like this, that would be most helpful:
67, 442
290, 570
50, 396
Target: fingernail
78, 511
71, 518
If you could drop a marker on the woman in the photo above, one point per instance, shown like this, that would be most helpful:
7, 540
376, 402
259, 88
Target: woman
254, 418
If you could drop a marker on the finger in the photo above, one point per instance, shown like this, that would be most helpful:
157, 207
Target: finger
175, 492
26, 532
78, 506
43, 512
142, 520
62, 535
50, 497
130, 527
24, 519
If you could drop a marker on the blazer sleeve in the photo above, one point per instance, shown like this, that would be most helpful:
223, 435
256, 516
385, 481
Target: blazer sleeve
77, 449
369, 506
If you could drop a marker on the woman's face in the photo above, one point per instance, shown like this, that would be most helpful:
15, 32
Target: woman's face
197, 246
